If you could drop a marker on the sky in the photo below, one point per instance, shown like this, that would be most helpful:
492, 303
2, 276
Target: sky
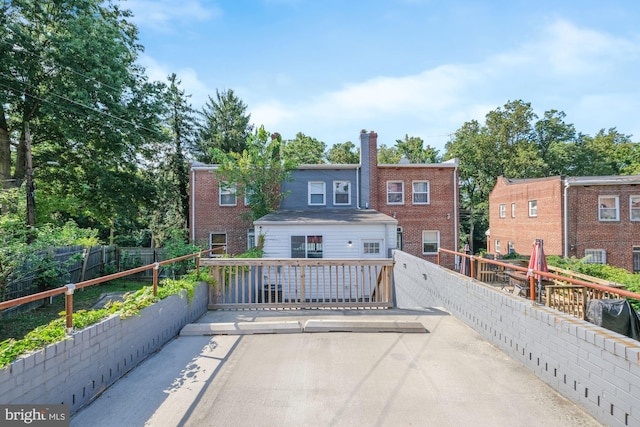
422, 68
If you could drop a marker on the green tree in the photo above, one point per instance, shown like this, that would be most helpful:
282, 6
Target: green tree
388, 155
226, 126
257, 172
344, 154
304, 150
413, 149
71, 93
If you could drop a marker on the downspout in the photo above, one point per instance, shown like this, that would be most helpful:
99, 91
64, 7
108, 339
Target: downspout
566, 219
455, 207
358, 187
193, 205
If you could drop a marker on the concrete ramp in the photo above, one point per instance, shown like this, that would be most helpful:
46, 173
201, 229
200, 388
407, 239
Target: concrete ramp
332, 325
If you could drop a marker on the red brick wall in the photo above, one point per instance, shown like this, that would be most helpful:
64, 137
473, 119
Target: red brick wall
211, 217
439, 214
523, 230
586, 231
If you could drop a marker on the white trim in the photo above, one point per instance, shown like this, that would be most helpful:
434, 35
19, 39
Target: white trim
395, 181
324, 193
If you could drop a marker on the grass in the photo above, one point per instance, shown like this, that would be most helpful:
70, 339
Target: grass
18, 326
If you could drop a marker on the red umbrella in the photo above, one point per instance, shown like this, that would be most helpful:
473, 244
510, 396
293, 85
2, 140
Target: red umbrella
538, 262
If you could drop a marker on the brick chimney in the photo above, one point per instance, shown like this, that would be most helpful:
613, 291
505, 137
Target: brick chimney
368, 169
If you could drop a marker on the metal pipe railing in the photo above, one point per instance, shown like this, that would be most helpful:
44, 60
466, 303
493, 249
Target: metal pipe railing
70, 288
545, 274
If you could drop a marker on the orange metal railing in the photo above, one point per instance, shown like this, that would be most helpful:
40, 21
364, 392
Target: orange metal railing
70, 288
603, 289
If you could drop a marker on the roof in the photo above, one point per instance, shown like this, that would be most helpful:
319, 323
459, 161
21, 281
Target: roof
325, 216
603, 180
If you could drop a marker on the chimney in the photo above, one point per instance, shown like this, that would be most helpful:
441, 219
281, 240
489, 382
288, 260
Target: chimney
368, 169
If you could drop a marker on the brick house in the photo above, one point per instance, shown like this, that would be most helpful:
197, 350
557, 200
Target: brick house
337, 211
596, 217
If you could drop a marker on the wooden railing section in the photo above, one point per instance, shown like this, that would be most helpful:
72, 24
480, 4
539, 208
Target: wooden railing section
563, 290
260, 283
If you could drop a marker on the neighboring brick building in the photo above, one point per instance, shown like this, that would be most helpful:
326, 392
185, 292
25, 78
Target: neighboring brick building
413, 207
596, 216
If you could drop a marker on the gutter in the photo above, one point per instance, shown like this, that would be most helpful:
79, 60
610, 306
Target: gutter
566, 219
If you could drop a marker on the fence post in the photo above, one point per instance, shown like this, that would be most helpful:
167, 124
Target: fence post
156, 268
68, 306
532, 286
472, 270
439, 257
198, 264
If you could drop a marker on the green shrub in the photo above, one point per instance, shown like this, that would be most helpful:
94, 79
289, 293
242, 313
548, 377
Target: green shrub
131, 305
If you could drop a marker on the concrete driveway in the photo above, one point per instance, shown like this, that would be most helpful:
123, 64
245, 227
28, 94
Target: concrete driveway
445, 376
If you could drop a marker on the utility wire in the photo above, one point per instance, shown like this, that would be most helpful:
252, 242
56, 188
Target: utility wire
72, 101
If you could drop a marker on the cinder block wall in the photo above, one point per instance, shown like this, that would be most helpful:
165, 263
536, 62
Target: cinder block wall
77, 370
594, 367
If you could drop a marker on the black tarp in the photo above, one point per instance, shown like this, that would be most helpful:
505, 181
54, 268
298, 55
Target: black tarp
616, 315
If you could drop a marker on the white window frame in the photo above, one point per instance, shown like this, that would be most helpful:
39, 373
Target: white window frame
513, 210
415, 193
503, 210
424, 241
510, 247
595, 256
401, 192
312, 191
497, 246
367, 245
218, 245
636, 259
336, 186
634, 209
533, 208
603, 209
251, 238
226, 189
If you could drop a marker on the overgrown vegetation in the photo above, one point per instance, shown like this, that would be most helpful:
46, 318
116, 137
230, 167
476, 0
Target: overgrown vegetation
601, 271
133, 302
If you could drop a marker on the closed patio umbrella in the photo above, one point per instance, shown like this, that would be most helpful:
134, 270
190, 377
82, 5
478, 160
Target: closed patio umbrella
538, 262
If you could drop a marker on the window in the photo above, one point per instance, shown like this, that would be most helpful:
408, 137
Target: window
503, 210
420, 192
595, 256
510, 248
636, 259
395, 192
533, 208
316, 192
399, 238
341, 192
430, 242
227, 194
251, 238
218, 243
634, 208
513, 210
608, 208
306, 246
371, 248
497, 246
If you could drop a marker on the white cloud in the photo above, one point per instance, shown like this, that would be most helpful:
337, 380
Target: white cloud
159, 14
188, 77
557, 70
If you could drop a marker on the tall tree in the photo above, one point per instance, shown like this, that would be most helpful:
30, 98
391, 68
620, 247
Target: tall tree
257, 172
413, 149
388, 155
304, 150
69, 80
225, 126
344, 153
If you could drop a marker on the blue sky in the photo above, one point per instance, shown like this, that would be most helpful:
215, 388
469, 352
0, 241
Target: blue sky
329, 68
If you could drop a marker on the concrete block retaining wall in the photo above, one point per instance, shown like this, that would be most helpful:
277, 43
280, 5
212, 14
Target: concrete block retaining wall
78, 369
592, 366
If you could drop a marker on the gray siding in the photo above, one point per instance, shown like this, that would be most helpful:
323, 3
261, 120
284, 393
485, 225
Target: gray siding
298, 197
